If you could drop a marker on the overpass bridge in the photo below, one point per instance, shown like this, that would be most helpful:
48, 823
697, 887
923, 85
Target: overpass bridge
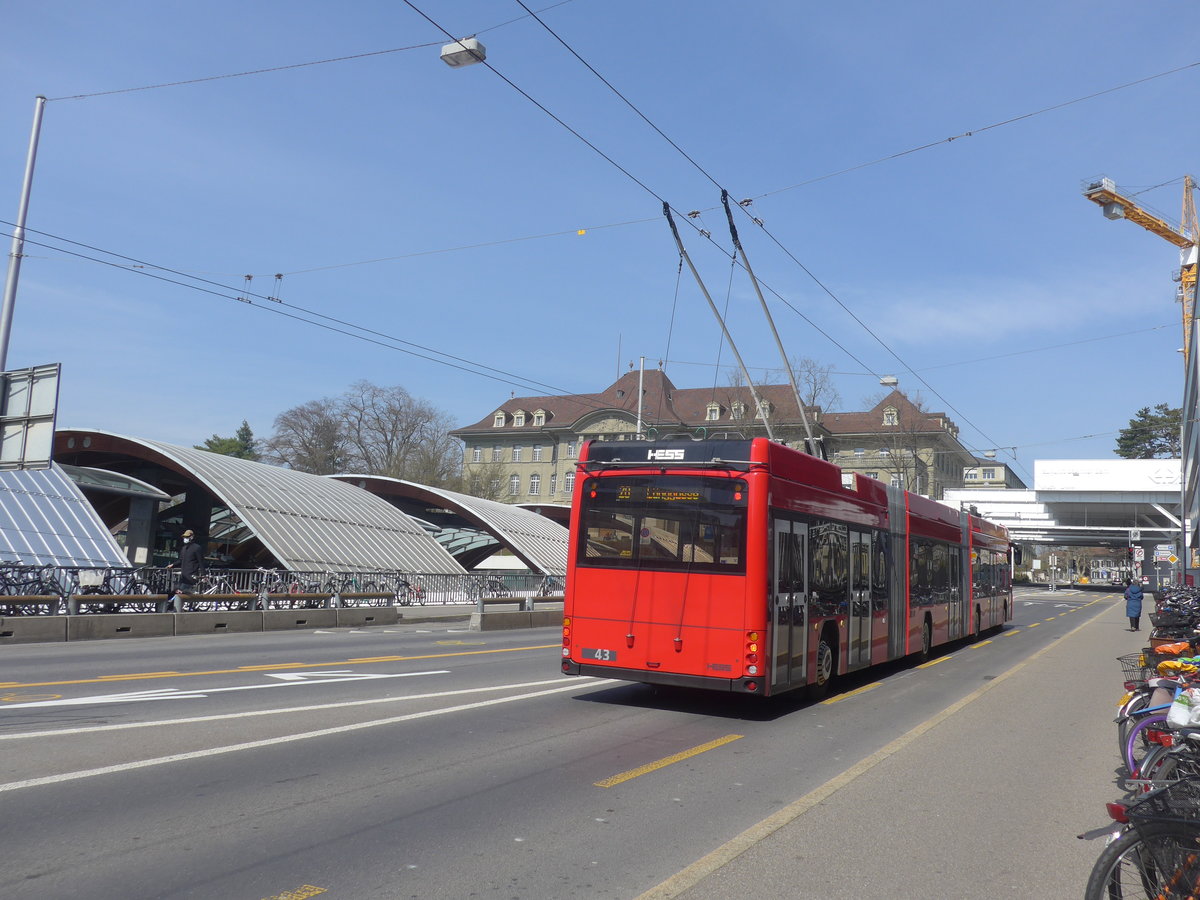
1094, 503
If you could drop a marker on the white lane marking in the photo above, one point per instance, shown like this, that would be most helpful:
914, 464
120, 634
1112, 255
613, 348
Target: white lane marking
291, 679
316, 707
286, 739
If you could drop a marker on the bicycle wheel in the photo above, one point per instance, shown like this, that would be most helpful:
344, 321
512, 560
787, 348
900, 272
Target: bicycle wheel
1138, 744
1126, 720
1159, 861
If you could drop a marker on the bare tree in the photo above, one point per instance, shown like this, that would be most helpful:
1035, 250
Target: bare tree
309, 438
815, 382
488, 480
387, 427
371, 430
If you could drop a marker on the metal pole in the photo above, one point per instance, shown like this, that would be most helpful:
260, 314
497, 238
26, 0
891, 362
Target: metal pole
641, 391
18, 241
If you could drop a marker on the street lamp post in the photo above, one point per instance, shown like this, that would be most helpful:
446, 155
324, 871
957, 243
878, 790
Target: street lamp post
18, 241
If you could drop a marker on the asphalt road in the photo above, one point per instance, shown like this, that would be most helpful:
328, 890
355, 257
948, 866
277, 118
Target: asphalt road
426, 761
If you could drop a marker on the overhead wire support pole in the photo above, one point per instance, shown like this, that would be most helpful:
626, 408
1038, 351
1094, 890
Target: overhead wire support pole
810, 442
758, 404
18, 241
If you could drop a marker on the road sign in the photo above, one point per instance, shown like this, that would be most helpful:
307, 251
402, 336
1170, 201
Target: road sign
1139, 554
1135, 534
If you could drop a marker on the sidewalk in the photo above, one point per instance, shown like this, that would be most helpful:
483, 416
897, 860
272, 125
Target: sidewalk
987, 801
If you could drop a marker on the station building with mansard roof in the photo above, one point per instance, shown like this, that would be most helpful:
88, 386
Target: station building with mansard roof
525, 449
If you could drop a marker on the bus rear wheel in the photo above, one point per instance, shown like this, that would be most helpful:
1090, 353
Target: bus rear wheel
826, 668
926, 641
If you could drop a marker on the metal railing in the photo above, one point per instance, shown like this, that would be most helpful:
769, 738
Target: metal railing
53, 590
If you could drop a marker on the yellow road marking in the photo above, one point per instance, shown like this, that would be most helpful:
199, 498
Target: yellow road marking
977, 646
1034, 624
301, 893
1012, 632
666, 761
853, 693
136, 675
1051, 619
241, 670
933, 662
28, 698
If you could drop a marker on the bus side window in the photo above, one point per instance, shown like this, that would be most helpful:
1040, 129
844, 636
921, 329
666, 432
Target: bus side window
879, 572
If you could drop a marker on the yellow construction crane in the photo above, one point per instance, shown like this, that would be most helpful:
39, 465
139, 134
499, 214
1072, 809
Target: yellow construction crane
1118, 206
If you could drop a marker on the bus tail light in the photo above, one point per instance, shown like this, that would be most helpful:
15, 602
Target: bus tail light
751, 653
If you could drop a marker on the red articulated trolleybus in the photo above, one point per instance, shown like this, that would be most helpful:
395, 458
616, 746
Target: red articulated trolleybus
747, 566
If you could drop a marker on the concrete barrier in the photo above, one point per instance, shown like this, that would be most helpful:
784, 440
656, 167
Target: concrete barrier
509, 619
355, 616
98, 626
32, 629
222, 622
285, 619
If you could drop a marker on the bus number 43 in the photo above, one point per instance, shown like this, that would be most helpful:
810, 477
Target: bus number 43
604, 655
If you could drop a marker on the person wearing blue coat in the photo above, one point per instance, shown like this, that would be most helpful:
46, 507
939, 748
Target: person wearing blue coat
1133, 604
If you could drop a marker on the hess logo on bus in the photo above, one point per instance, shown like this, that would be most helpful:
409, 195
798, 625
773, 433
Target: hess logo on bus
664, 454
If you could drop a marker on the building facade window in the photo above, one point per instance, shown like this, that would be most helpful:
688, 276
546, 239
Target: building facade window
518, 419
890, 416
477, 454
874, 475
713, 413
537, 452
897, 480
737, 410
497, 454
569, 482
570, 449
517, 450
553, 482
514, 485
989, 474
535, 484
498, 422
972, 474
539, 418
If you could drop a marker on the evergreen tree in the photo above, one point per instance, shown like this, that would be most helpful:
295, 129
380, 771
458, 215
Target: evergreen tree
242, 445
1151, 434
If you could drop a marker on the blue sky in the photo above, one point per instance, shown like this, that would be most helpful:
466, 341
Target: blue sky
1034, 321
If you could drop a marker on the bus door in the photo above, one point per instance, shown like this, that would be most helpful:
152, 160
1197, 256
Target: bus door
789, 590
858, 649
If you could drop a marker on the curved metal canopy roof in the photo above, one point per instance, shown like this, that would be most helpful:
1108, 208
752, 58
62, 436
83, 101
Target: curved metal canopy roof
536, 540
308, 522
45, 520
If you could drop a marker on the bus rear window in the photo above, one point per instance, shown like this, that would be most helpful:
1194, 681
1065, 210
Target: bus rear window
664, 522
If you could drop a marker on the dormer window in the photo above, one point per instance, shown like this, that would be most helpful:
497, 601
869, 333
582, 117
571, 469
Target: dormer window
764, 408
498, 422
519, 418
737, 410
539, 418
714, 412
890, 416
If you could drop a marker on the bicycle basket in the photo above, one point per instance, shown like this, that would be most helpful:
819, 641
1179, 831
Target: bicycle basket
1134, 668
1178, 802
91, 578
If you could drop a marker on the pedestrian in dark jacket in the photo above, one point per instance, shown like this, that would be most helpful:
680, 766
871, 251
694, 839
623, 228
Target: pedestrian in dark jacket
1133, 604
191, 567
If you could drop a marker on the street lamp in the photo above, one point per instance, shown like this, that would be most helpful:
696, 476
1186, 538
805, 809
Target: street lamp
466, 52
18, 241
